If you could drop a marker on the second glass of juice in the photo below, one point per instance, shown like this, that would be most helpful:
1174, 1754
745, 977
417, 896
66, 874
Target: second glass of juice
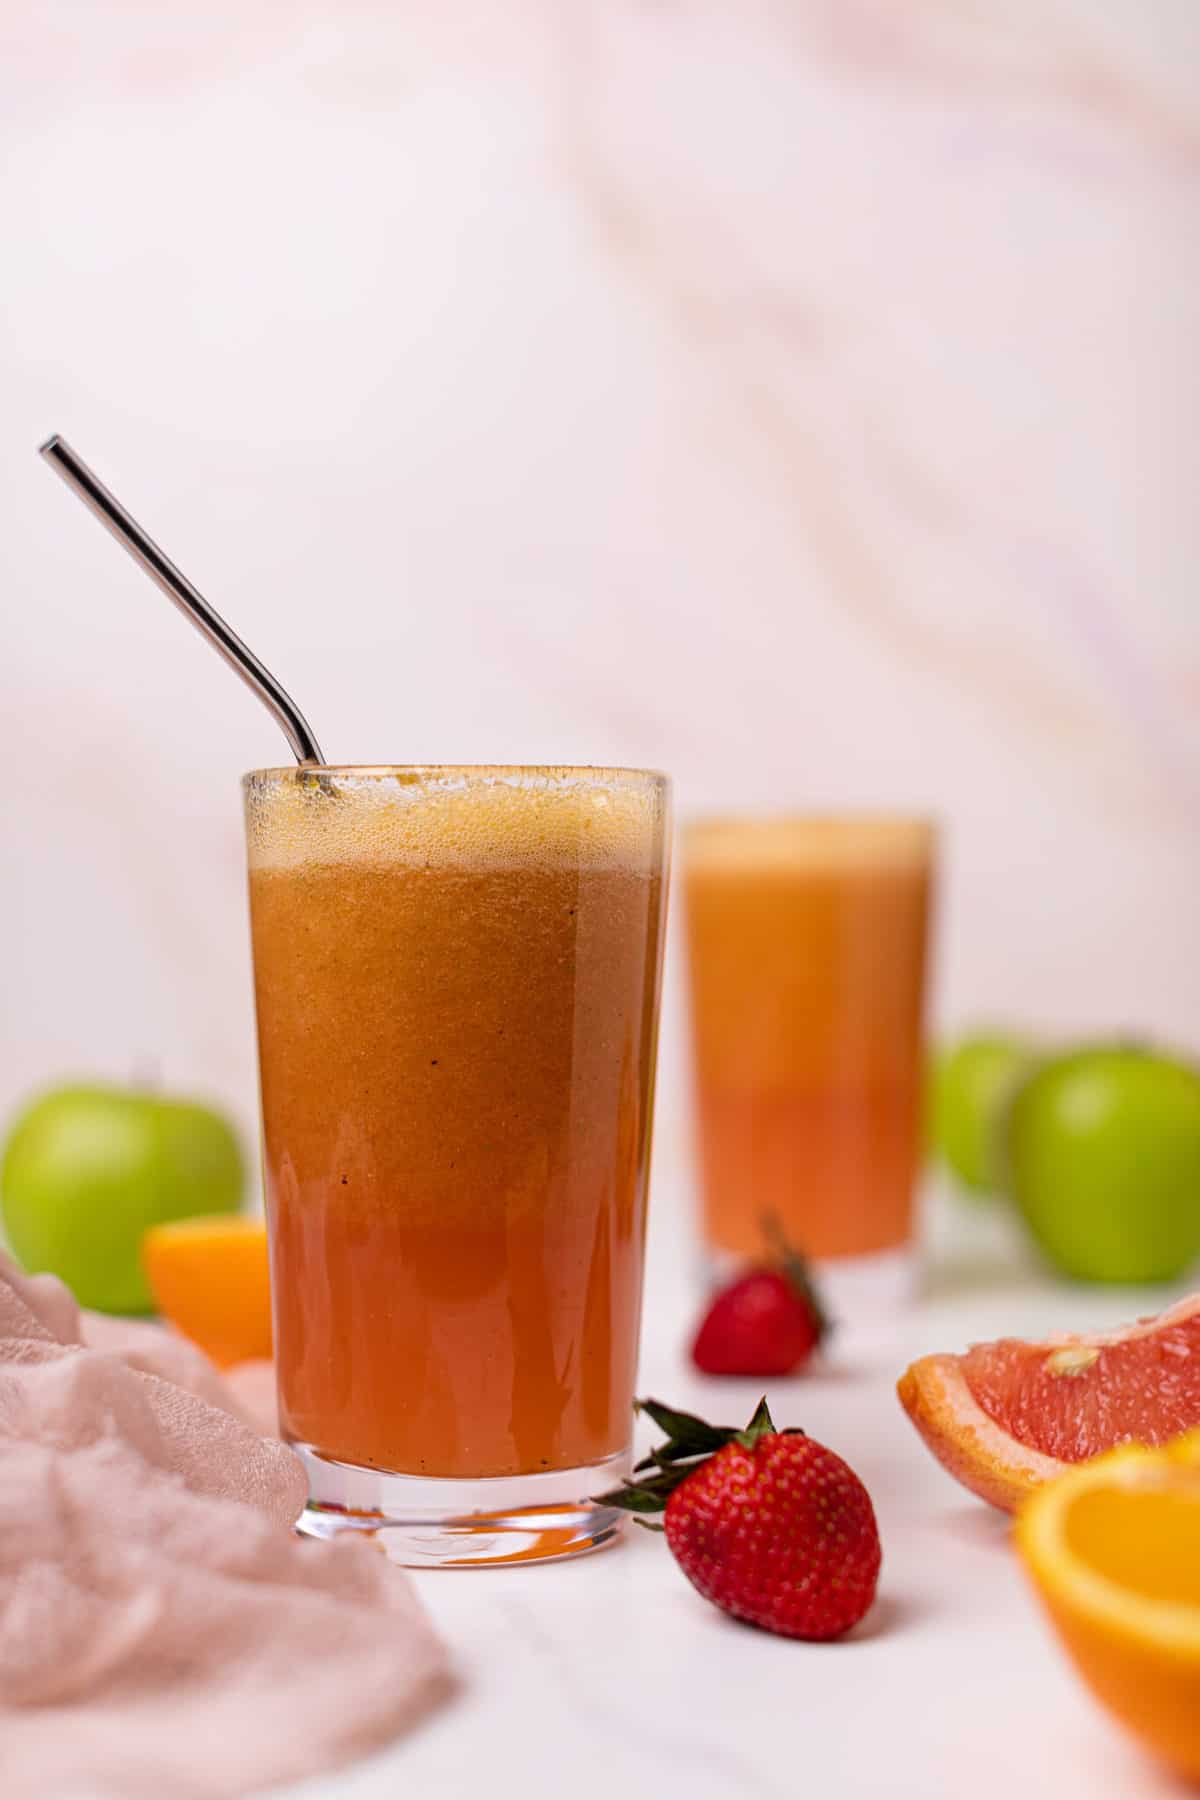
457, 980
807, 952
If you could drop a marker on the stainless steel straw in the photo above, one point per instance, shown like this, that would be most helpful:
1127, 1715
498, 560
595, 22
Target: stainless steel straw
176, 586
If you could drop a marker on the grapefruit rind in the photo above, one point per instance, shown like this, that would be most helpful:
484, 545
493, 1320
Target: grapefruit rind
968, 1443
1125, 1334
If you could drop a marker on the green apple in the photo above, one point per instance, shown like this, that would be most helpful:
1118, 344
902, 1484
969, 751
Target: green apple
1102, 1154
972, 1080
87, 1169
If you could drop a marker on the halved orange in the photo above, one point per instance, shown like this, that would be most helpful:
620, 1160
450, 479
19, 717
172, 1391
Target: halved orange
209, 1277
1114, 1551
1009, 1416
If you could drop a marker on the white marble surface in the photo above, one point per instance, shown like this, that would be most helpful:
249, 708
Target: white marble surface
611, 1676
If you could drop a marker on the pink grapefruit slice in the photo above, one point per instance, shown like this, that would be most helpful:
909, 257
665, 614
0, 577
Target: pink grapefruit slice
1007, 1417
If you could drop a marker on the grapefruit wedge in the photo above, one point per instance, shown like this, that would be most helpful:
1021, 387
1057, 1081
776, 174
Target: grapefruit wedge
1004, 1418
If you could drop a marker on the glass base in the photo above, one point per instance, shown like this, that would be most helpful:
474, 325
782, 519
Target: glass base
431, 1523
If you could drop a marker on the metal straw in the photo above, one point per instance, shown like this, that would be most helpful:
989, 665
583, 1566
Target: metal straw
176, 586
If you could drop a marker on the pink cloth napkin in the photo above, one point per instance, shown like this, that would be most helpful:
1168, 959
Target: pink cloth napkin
162, 1632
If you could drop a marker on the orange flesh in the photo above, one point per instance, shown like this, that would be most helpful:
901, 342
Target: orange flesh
807, 970
209, 1277
456, 1070
1145, 1541
1144, 1389
1114, 1549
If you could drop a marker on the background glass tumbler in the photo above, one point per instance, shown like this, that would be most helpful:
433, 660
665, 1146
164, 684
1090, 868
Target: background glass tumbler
807, 953
457, 983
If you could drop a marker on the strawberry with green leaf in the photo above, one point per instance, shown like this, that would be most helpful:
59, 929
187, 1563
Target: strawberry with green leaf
767, 1321
768, 1525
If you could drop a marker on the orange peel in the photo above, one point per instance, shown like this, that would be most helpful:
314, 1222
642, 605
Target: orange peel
1113, 1549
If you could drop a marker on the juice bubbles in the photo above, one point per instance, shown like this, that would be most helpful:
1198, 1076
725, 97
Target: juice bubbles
456, 974
807, 943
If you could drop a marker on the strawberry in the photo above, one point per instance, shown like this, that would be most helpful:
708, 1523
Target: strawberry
768, 1321
768, 1525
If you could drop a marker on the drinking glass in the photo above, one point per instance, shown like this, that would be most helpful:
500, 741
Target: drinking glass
807, 952
457, 981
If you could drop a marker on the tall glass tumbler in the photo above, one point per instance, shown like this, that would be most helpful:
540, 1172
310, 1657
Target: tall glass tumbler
457, 985
807, 943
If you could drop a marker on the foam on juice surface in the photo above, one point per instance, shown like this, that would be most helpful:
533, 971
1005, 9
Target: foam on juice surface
807, 843
476, 818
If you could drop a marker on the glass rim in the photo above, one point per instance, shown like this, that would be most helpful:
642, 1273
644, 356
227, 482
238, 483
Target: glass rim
382, 771
853, 819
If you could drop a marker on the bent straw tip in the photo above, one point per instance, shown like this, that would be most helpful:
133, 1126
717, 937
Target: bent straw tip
52, 444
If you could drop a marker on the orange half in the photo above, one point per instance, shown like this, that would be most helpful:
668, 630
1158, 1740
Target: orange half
209, 1276
1114, 1551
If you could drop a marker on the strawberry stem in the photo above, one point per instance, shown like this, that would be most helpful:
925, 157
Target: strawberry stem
795, 1266
761, 1425
690, 1443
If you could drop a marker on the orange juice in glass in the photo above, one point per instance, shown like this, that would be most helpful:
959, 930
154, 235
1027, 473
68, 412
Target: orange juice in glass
807, 951
456, 978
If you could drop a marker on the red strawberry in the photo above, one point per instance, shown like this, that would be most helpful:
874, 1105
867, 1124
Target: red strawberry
768, 1525
768, 1321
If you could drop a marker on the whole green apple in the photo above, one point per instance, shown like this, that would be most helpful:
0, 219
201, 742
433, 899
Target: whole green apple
87, 1169
1102, 1148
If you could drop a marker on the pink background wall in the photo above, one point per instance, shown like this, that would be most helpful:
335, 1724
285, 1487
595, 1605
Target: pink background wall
801, 398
